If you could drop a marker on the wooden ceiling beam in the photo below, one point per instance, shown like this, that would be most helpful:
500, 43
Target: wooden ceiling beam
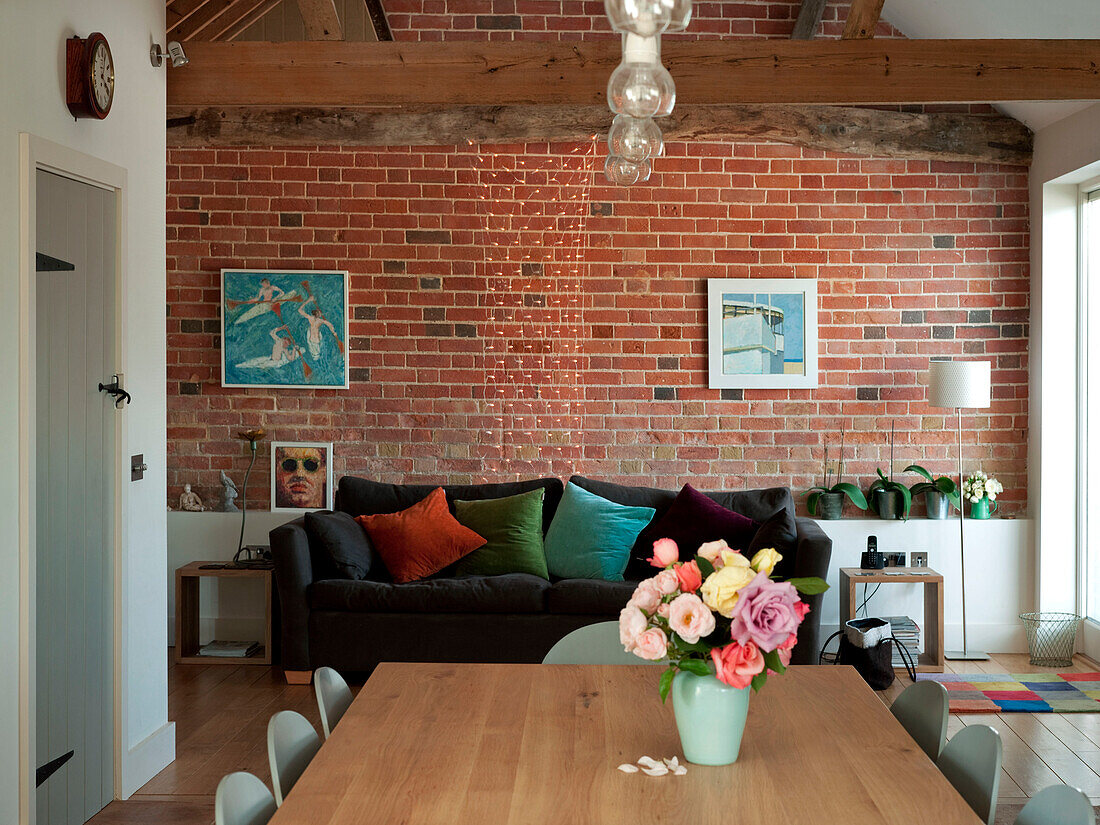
862, 18
321, 20
179, 12
982, 138
202, 23
706, 72
809, 18
257, 14
230, 19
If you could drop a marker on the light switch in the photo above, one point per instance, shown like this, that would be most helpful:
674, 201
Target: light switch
138, 467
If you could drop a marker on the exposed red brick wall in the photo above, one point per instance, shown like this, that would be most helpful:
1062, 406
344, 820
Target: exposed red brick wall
512, 314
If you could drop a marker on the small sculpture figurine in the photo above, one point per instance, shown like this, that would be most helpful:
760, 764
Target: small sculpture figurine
190, 501
229, 494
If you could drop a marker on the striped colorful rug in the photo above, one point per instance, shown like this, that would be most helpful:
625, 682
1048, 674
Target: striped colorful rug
1020, 692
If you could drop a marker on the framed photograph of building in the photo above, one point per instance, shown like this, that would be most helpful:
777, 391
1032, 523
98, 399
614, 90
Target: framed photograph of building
762, 333
284, 328
301, 476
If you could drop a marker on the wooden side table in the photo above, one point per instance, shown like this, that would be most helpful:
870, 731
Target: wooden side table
931, 659
187, 614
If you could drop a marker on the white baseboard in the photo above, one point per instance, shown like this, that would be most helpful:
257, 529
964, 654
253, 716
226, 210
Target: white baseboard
148, 758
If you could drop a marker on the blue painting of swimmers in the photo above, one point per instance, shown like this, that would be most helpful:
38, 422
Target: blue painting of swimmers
284, 328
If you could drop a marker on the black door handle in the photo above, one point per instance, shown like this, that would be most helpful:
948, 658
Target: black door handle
50, 768
120, 395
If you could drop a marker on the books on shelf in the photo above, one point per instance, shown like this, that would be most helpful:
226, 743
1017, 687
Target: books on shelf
908, 634
231, 650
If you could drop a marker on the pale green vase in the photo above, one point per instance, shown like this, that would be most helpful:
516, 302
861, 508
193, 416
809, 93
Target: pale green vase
983, 508
710, 716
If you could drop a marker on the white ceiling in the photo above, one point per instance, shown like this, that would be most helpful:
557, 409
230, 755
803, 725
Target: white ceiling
977, 19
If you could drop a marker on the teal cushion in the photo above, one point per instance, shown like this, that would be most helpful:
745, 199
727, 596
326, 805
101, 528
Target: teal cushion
590, 537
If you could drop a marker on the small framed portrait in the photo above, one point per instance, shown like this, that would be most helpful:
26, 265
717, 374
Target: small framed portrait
762, 333
301, 476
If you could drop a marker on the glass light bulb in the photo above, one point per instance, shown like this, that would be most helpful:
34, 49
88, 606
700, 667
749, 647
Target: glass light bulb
642, 17
679, 14
621, 171
641, 90
635, 139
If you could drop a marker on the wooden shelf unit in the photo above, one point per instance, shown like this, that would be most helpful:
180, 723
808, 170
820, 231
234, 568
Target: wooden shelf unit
931, 658
187, 614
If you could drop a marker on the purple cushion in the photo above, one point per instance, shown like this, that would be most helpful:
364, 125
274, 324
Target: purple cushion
694, 519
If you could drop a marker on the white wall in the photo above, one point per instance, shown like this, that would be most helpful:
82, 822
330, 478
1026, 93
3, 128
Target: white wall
32, 65
1066, 154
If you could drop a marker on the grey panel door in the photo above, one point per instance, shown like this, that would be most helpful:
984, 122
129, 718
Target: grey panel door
75, 453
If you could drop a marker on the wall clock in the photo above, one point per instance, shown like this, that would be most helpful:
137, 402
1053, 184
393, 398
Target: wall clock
89, 76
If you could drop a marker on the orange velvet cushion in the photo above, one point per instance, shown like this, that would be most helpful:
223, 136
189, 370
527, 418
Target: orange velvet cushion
421, 540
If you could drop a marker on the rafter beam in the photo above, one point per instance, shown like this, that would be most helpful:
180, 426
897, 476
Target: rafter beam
862, 18
322, 21
242, 25
378, 20
809, 18
990, 139
706, 72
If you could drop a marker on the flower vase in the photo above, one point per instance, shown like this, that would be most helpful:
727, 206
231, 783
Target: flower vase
830, 506
710, 716
982, 508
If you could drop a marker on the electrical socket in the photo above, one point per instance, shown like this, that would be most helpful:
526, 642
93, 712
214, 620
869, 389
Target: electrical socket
918, 559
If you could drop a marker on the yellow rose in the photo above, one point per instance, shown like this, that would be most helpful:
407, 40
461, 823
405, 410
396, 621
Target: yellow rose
765, 560
722, 586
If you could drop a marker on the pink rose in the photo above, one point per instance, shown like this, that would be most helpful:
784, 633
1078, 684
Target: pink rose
665, 552
651, 645
691, 579
786, 649
666, 582
662, 610
801, 609
712, 551
765, 612
632, 623
690, 618
736, 664
646, 596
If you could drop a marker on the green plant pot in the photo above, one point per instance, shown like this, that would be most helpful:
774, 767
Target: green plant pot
830, 506
710, 716
937, 505
983, 509
887, 504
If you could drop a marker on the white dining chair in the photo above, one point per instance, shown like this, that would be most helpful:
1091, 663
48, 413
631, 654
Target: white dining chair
922, 710
594, 644
1057, 805
971, 761
242, 799
291, 745
333, 697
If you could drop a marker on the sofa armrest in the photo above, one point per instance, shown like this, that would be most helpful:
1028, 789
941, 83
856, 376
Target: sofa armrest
815, 549
293, 576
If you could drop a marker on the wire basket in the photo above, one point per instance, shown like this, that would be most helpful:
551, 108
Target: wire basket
1050, 637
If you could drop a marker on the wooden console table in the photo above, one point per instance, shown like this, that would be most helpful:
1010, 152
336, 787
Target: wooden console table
931, 659
187, 614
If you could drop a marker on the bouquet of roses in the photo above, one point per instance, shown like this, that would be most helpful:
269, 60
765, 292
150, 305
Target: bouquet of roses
719, 613
978, 485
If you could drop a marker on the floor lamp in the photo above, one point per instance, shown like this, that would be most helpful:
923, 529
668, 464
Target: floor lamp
955, 385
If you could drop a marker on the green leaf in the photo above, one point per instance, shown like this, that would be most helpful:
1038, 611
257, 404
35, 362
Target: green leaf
693, 647
665, 685
815, 487
696, 666
809, 586
705, 567
881, 474
758, 681
855, 495
906, 501
811, 502
919, 470
772, 661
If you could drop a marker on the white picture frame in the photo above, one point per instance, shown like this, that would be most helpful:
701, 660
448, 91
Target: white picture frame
774, 346
298, 450
313, 351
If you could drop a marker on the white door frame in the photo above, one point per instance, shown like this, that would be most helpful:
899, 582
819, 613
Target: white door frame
1090, 630
36, 154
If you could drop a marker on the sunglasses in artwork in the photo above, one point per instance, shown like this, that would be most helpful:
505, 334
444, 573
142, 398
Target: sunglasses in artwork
309, 465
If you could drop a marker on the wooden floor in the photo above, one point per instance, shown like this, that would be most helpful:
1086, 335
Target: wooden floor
221, 715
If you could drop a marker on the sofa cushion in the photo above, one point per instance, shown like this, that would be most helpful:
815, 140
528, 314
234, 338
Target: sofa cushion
591, 537
513, 593
421, 539
780, 533
694, 519
363, 497
512, 528
592, 597
345, 543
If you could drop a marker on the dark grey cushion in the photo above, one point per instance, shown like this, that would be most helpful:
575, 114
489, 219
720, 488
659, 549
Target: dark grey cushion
780, 532
363, 497
343, 541
513, 593
593, 597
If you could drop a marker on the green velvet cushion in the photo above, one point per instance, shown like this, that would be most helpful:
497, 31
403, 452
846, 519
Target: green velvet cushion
590, 537
512, 528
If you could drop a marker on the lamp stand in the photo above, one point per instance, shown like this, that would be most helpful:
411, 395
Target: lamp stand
966, 654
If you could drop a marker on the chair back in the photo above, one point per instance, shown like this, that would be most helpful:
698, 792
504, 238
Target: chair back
594, 644
242, 799
1057, 805
971, 761
333, 697
922, 710
291, 744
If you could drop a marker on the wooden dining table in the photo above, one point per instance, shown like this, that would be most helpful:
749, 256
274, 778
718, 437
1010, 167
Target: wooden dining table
513, 744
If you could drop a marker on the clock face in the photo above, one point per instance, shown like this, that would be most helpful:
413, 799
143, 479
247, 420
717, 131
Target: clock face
103, 76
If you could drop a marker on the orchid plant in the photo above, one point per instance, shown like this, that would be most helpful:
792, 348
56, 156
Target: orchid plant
718, 614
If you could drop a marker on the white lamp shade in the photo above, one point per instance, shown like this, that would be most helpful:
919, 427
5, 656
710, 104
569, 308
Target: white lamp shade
959, 384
